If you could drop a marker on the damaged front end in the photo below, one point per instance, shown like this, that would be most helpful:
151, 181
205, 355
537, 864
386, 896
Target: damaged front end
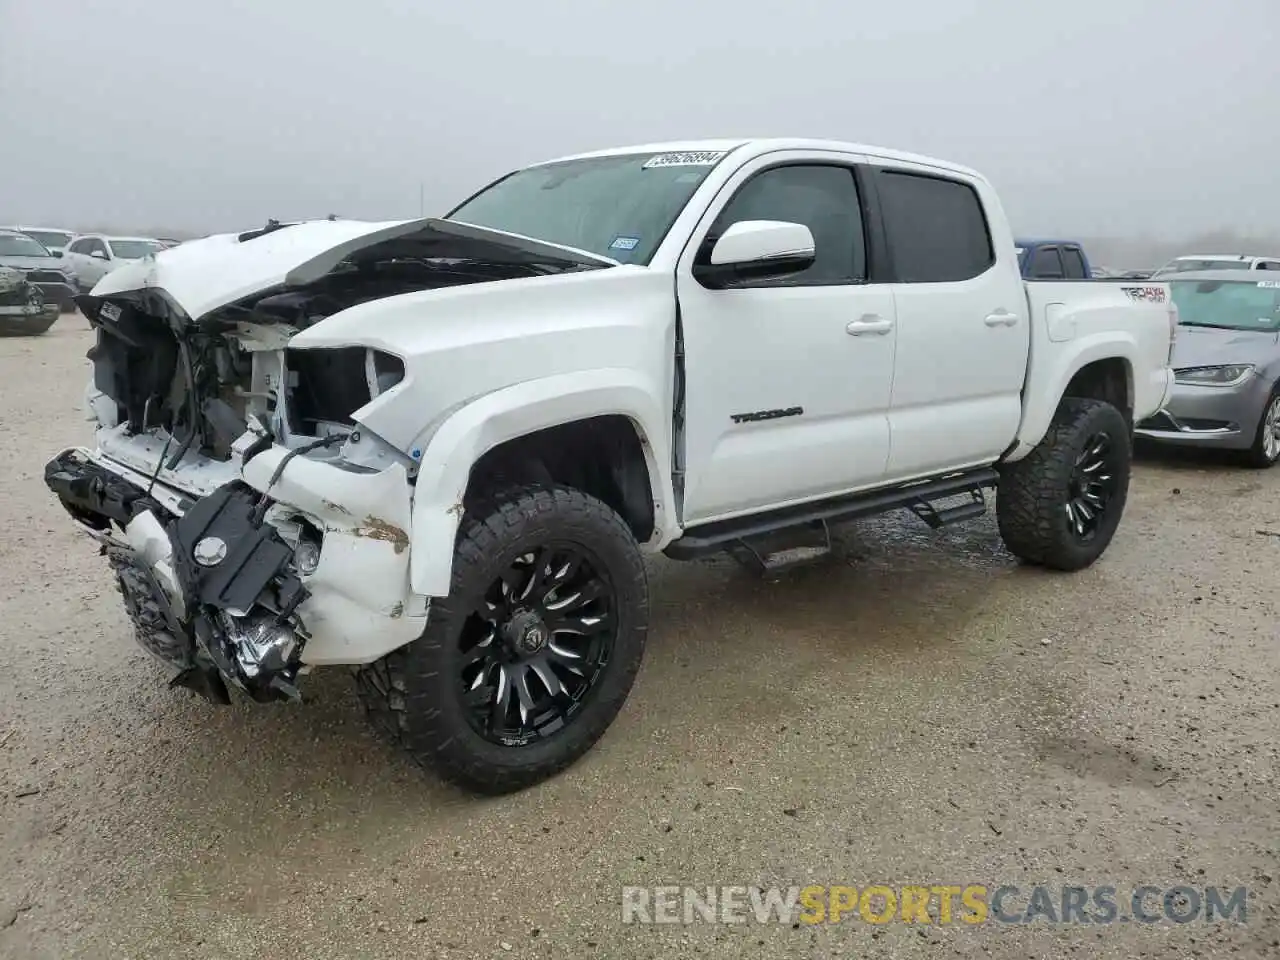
212, 592
256, 526
253, 528
23, 308
256, 522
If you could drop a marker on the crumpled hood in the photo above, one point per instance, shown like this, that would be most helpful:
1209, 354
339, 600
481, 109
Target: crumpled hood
203, 275
1210, 346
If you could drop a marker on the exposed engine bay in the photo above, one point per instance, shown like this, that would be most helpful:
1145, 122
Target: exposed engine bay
218, 576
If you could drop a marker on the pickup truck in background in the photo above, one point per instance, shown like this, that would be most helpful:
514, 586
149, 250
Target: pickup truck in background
53, 239
45, 269
1053, 260
438, 450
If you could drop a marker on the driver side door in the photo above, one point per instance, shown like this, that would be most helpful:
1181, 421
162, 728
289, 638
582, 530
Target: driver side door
787, 380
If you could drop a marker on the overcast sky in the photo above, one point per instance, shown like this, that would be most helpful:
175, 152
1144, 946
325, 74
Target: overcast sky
1091, 116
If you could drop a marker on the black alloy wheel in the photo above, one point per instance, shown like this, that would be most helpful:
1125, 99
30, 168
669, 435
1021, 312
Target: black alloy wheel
534, 647
1092, 486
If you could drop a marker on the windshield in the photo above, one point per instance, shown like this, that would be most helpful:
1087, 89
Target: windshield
618, 207
1231, 304
50, 238
133, 249
12, 245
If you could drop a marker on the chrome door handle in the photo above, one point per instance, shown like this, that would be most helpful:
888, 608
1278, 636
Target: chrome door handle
868, 323
1001, 319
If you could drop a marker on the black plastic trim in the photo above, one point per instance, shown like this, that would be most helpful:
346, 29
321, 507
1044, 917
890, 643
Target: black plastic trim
94, 495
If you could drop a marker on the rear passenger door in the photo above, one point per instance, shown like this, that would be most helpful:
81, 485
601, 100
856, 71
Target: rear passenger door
962, 327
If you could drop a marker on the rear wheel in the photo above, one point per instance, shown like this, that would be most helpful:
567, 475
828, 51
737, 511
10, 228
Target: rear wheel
1265, 451
1059, 506
526, 663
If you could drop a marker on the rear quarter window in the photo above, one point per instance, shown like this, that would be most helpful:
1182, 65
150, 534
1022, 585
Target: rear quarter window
935, 227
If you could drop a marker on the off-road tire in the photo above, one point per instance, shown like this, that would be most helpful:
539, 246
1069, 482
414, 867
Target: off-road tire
1033, 492
412, 695
1256, 456
150, 625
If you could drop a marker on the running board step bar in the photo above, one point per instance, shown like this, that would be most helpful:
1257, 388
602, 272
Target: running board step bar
917, 497
937, 517
785, 550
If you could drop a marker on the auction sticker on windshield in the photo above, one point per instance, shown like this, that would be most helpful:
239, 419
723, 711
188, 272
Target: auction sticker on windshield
1269, 284
698, 158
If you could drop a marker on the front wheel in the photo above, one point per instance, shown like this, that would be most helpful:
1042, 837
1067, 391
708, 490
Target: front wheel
526, 663
1059, 506
1265, 451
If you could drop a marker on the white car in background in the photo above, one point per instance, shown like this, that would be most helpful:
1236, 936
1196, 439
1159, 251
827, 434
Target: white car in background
54, 239
1216, 261
92, 256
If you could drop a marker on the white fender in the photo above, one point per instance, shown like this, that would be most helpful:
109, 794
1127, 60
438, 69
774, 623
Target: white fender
515, 411
1061, 366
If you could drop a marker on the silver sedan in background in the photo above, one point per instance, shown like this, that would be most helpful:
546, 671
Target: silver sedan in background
1226, 361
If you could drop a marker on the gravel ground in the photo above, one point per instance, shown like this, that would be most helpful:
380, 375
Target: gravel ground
920, 710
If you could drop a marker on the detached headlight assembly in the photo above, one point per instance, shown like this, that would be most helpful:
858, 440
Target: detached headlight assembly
1224, 376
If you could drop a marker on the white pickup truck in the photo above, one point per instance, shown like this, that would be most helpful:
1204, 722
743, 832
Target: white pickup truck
437, 450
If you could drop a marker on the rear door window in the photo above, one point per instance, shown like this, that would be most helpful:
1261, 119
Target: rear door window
1073, 264
1046, 264
936, 229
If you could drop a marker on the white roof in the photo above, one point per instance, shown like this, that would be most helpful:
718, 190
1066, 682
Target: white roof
1218, 256
112, 236
756, 146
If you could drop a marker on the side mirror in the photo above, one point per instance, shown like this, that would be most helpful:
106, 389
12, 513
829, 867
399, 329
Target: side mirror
56, 253
757, 250
98, 254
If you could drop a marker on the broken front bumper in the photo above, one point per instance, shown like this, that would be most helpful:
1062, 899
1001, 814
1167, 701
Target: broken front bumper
27, 318
260, 587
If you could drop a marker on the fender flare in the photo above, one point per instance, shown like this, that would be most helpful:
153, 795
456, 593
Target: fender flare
1039, 410
494, 418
